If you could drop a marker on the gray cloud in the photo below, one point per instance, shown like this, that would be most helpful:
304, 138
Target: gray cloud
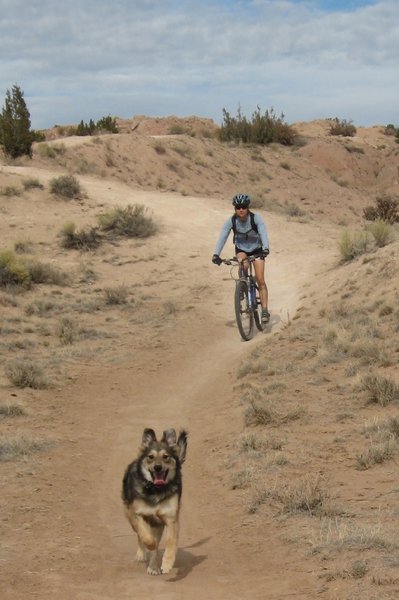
88, 58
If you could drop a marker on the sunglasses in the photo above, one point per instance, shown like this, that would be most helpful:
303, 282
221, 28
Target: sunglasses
241, 207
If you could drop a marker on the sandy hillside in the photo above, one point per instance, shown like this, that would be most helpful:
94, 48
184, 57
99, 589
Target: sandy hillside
281, 498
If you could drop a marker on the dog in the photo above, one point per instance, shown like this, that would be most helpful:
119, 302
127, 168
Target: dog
151, 493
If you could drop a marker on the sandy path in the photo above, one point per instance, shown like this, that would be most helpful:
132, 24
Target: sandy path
80, 547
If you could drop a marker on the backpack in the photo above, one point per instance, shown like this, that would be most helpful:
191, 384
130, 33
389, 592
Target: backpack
253, 227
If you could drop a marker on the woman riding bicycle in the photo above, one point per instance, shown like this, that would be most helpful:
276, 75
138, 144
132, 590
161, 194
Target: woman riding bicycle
250, 239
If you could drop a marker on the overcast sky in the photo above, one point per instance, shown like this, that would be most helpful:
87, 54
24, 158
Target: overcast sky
308, 59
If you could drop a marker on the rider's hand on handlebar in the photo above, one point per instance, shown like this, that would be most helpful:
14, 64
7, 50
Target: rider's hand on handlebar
216, 260
265, 252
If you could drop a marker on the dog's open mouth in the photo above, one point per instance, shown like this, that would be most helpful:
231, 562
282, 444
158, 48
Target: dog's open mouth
159, 477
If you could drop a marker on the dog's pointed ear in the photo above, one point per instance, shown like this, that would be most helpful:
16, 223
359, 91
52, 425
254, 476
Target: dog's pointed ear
182, 445
169, 436
148, 437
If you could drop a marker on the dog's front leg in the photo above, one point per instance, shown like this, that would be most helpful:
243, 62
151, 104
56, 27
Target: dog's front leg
170, 546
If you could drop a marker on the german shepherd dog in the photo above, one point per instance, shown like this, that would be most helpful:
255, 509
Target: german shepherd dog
151, 493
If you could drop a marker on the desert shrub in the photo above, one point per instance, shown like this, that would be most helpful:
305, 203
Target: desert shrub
351, 246
342, 127
66, 186
50, 150
24, 373
390, 129
381, 231
13, 271
31, 183
379, 389
9, 191
131, 221
116, 295
260, 129
386, 209
67, 331
84, 239
40, 272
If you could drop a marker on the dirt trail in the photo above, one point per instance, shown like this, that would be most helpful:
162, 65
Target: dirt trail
73, 542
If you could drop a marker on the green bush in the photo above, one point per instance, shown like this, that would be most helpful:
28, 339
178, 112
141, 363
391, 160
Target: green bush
13, 271
386, 209
261, 129
342, 127
66, 186
351, 246
132, 221
381, 231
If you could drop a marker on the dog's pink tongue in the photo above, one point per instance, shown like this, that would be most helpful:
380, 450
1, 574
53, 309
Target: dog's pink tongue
159, 481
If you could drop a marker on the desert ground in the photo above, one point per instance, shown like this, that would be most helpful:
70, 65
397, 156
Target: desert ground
290, 483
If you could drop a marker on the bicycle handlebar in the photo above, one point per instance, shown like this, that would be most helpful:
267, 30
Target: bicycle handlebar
230, 261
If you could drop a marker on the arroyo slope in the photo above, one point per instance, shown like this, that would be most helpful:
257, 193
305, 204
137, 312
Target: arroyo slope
64, 533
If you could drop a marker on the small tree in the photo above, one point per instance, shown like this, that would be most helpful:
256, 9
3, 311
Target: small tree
15, 134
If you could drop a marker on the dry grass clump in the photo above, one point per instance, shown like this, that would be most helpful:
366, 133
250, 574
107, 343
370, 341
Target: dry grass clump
25, 373
19, 446
353, 245
379, 389
306, 495
11, 410
251, 442
32, 183
339, 534
262, 411
83, 239
377, 454
67, 331
116, 295
131, 221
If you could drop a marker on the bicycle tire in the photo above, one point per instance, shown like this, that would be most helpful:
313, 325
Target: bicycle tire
244, 312
258, 312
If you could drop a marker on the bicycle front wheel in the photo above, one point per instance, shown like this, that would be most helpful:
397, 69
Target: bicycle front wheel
244, 313
258, 312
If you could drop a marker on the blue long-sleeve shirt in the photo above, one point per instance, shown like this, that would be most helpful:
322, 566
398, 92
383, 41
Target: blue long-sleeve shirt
246, 238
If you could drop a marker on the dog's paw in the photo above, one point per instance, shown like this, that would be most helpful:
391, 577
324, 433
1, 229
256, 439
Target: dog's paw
141, 555
153, 570
166, 568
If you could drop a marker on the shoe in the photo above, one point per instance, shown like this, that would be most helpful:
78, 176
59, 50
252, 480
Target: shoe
265, 316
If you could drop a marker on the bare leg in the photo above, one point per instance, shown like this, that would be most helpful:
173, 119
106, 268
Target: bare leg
259, 266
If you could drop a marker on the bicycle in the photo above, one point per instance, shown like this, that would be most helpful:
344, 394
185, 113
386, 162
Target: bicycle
248, 308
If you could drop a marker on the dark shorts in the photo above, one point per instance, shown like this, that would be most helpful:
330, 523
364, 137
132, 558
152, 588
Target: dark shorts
251, 252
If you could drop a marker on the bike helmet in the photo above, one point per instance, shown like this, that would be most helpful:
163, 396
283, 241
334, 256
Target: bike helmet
241, 200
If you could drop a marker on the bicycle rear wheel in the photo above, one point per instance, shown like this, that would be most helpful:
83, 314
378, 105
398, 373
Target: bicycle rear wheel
244, 313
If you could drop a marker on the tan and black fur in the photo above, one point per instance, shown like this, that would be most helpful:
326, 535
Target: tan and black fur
151, 492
